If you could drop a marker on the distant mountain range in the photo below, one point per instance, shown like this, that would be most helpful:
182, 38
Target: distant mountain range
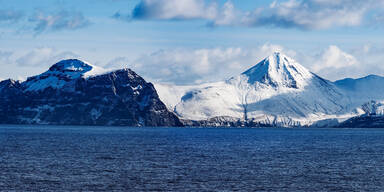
277, 92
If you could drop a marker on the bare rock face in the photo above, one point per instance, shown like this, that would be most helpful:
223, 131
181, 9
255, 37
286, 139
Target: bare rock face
73, 92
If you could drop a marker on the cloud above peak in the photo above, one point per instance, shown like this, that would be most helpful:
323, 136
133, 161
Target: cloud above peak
189, 66
334, 58
301, 14
44, 56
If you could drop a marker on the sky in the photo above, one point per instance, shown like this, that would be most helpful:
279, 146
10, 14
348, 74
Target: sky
192, 41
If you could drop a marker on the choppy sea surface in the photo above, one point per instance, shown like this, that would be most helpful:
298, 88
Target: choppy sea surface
65, 158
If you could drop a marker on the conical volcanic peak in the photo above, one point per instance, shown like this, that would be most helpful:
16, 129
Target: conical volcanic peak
278, 70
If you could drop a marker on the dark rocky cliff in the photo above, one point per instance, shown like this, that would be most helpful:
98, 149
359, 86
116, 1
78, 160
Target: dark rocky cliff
64, 96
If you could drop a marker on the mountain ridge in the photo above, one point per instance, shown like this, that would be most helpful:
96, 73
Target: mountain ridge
277, 91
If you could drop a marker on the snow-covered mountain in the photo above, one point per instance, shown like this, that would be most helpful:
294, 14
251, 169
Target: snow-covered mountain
277, 91
73, 92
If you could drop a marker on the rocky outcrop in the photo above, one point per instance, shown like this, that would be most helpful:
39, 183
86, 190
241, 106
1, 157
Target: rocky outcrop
364, 121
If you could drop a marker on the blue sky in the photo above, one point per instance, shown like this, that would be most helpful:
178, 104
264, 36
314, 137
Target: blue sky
192, 41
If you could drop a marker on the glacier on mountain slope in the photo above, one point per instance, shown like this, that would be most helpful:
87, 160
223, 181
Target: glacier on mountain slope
277, 91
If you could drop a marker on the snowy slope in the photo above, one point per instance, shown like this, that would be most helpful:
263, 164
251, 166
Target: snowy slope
61, 73
278, 70
276, 91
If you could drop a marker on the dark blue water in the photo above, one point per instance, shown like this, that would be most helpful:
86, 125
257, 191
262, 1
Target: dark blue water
181, 159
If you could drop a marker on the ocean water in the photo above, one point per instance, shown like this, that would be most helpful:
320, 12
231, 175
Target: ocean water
65, 158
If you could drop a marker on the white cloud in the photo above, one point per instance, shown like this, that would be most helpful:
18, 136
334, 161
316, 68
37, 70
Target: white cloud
228, 15
334, 63
44, 56
174, 9
118, 63
306, 14
63, 20
334, 58
302, 14
189, 66
186, 66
